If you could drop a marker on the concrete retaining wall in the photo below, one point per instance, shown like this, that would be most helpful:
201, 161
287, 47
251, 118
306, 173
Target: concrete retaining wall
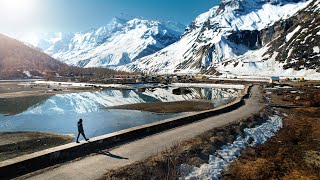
32, 162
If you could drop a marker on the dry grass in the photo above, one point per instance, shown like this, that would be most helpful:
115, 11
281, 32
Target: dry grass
292, 154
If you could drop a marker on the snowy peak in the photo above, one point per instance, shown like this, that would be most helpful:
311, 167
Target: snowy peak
118, 42
227, 31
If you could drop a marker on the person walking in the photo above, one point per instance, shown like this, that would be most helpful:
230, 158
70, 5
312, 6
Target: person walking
81, 131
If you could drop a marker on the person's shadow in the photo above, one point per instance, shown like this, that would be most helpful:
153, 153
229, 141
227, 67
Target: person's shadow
111, 155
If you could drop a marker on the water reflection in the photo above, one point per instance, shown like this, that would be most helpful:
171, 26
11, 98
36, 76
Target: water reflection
95, 124
59, 113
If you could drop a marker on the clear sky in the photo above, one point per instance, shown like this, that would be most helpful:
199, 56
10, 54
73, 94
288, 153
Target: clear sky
79, 15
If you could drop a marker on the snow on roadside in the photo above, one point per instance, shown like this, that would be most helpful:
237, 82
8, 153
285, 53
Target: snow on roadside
228, 153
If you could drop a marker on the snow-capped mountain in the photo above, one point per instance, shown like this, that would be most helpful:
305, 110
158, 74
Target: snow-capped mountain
234, 36
117, 43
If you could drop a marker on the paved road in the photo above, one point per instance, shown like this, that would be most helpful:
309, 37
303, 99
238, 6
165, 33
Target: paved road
95, 167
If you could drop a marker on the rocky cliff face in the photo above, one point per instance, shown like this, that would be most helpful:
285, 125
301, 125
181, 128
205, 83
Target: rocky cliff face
290, 47
298, 46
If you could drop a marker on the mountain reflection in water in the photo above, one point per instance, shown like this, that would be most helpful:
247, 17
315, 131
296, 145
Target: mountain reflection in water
59, 113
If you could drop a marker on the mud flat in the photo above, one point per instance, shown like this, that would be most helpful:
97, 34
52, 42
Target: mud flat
168, 107
14, 144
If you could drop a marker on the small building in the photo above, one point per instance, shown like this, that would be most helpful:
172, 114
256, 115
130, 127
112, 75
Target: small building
274, 79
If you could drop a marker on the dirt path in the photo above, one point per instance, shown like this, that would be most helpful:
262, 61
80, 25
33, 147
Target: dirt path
95, 167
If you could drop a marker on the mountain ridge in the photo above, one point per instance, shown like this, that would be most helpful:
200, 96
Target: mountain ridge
19, 60
214, 37
118, 42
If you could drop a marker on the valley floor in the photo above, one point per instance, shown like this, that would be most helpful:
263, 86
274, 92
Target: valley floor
96, 165
292, 153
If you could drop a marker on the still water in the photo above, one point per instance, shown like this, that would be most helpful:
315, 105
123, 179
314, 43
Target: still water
59, 113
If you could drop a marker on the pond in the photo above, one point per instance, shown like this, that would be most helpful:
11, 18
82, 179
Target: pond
59, 113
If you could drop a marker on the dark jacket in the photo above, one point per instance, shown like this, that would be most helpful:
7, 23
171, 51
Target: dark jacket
80, 127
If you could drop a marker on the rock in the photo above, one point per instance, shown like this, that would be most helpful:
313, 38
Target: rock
297, 98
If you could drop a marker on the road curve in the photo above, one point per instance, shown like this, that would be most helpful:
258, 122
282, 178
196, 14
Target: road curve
94, 167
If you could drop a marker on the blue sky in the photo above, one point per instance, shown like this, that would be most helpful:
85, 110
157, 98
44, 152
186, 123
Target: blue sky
79, 15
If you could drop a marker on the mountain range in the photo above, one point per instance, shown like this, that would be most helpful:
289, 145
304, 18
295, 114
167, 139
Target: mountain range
117, 43
245, 37
236, 37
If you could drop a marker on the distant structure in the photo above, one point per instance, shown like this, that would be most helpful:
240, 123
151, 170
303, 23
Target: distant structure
274, 79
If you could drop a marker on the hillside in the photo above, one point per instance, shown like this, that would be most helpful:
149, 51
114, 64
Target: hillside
290, 47
20, 61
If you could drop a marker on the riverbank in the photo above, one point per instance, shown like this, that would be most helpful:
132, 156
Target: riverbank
15, 144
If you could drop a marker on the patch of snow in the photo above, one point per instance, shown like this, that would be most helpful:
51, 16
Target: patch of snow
228, 153
316, 49
289, 35
289, 53
27, 73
